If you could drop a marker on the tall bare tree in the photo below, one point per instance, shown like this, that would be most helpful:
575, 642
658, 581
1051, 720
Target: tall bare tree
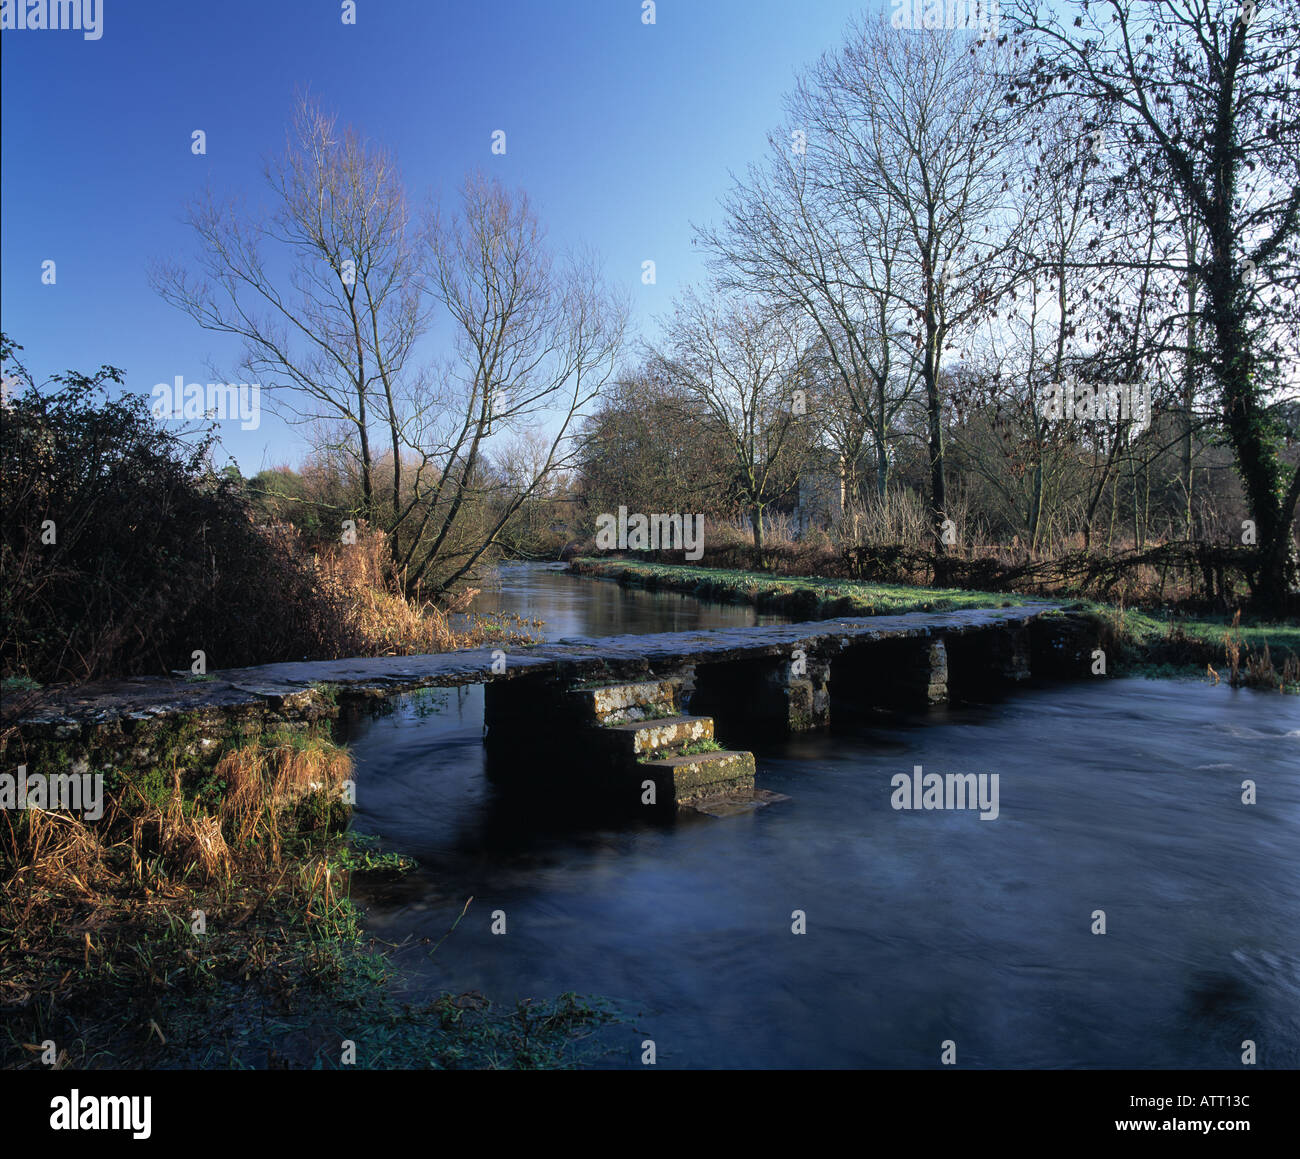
917, 141
743, 361
536, 337
792, 236
333, 336
1201, 100
334, 294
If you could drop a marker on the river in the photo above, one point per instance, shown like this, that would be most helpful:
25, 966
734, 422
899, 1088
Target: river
1119, 795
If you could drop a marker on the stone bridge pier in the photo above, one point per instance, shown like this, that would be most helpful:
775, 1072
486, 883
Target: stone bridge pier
894, 673
770, 695
984, 664
795, 691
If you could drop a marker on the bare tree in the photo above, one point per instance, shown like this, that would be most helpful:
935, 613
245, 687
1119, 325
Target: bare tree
333, 292
333, 337
1200, 98
792, 236
536, 338
918, 142
743, 361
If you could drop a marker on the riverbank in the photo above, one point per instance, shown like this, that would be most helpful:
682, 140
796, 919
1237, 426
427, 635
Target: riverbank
205, 920
1250, 653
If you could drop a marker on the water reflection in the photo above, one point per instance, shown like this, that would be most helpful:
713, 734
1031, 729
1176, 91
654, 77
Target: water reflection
576, 606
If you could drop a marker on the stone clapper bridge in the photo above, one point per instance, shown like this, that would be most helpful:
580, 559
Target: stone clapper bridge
620, 722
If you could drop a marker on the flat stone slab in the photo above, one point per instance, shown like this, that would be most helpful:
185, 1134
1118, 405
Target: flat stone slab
65, 712
626, 701
688, 777
647, 736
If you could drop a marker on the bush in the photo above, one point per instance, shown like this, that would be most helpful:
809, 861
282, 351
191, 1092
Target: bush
124, 551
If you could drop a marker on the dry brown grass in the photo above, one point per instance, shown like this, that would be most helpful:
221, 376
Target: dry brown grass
144, 843
263, 781
376, 619
89, 909
1250, 669
1255, 669
883, 545
60, 850
394, 626
174, 841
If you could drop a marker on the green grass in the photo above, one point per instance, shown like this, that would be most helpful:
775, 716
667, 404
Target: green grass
1154, 642
466, 1032
283, 976
329, 693
1152, 627
694, 748
1164, 644
361, 854
830, 597
700, 746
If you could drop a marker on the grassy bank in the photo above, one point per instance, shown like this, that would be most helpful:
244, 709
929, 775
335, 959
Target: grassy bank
1243, 652
210, 925
813, 597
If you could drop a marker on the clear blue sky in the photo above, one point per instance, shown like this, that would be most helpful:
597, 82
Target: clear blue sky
621, 133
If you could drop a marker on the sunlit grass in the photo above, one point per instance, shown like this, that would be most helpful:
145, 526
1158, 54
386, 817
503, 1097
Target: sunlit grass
1245, 650
830, 596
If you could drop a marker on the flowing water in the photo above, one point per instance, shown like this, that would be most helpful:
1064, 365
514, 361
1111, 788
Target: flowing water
1119, 795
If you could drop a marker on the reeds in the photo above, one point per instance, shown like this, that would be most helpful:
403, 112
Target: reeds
372, 616
1248, 668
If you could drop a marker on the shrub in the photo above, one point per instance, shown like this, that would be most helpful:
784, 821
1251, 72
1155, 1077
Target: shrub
124, 551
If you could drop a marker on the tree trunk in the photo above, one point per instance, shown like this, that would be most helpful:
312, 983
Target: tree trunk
367, 468
1188, 400
1035, 504
1252, 436
938, 487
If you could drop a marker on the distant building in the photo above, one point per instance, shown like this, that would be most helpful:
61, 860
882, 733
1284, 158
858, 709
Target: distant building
821, 493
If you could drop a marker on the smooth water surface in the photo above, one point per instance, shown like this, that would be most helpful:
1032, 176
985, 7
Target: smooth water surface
574, 605
1115, 795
